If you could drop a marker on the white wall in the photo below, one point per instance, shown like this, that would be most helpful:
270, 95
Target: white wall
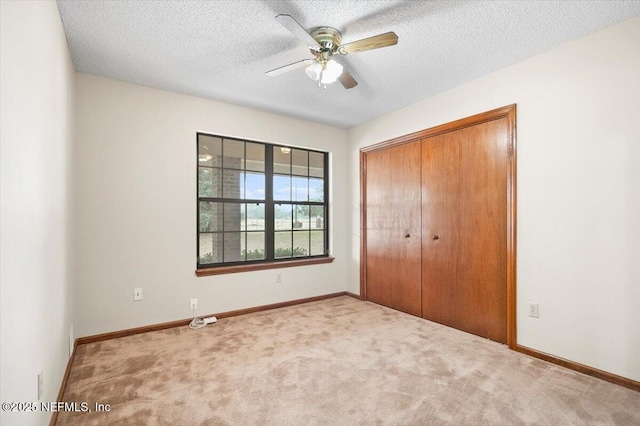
36, 99
578, 147
136, 209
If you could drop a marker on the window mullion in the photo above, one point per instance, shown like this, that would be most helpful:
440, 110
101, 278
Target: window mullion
269, 204
325, 202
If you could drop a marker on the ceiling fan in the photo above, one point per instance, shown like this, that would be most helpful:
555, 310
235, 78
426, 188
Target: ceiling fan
324, 43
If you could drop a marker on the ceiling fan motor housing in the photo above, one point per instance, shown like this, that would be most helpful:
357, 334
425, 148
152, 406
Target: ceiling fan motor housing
329, 40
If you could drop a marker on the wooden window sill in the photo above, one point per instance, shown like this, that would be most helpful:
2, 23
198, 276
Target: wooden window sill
261, 266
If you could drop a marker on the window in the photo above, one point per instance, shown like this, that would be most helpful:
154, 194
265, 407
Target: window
259, 202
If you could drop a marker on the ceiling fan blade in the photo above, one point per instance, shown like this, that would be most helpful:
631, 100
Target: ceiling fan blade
287, 68
347, 79
296, 29
375, 42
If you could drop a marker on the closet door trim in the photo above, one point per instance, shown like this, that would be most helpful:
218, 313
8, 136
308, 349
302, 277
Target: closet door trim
507, 112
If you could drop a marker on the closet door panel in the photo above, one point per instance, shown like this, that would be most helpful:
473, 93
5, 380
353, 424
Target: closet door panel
464, 229
405, 234
440, 230
393, 228
483, 218
379, 219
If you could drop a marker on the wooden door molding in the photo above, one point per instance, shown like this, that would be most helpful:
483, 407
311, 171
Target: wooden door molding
507, 112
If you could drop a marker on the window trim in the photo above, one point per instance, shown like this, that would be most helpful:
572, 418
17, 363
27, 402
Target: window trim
284, 263
270, 203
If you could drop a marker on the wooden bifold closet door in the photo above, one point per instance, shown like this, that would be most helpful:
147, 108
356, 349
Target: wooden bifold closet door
464, 253
393, 226
439, 218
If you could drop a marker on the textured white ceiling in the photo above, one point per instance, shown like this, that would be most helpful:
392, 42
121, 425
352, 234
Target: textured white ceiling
221, 49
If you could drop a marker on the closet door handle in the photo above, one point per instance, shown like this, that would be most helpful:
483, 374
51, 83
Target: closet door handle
407, 235
435, 237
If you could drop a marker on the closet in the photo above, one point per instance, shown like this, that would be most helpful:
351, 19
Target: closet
438, 216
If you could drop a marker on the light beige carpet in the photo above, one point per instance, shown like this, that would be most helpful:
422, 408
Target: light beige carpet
334, 362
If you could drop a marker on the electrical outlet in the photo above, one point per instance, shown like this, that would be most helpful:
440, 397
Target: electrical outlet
533, 310
40, 384
278, 278
137, 294
194, 304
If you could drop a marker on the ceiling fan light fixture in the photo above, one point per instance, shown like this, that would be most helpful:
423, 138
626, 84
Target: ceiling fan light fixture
332, 71
314, 71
